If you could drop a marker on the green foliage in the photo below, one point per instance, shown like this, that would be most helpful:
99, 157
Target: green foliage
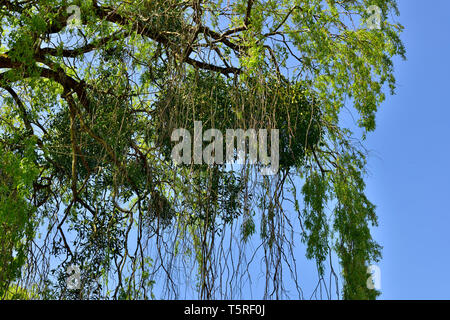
17, 224
86, 119
316, 196
286, 107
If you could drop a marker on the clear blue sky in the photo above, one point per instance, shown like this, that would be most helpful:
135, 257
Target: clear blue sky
410, 156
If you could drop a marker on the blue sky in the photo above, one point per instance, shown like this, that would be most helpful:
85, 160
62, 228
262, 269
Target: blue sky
409, 177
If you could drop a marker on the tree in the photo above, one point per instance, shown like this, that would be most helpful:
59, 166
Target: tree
91, 93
